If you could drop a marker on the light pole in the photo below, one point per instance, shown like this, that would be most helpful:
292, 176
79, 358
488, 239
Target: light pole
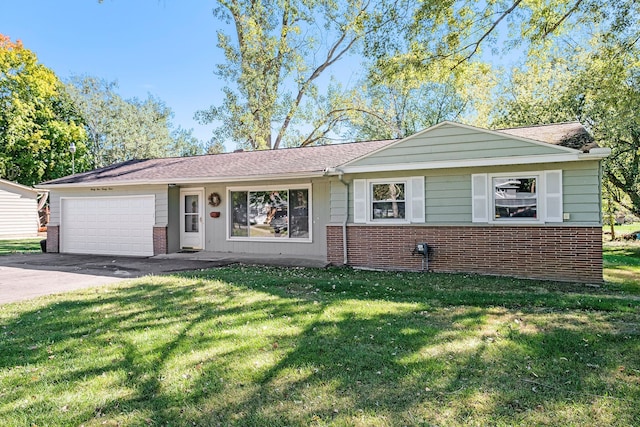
72, 150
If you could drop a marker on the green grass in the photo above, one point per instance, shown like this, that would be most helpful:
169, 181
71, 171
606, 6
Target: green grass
256, 346
19, 246
620, 230
622, 264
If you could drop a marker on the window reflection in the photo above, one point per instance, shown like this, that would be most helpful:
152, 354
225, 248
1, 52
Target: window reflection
278, 214
191, 214
515, 198
388, 200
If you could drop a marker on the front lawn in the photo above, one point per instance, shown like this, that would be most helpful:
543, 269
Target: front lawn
19, 246
256, 346
621, 262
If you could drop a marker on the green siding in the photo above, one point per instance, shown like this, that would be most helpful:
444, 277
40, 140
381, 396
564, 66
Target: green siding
448, 198
448, 191
450, 142
338, 200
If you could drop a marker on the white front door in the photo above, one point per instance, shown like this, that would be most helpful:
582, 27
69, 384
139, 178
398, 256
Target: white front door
192, 218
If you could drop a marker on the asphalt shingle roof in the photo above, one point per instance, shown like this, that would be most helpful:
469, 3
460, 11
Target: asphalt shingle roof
570, 134
227, 166
284, 162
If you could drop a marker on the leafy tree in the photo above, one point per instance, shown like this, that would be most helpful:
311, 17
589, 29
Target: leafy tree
441, 36
215, 147
185, 144
274, 61
400, 105
37, 119
599, 87
120, 130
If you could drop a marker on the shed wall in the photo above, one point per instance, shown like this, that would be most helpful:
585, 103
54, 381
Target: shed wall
18, 213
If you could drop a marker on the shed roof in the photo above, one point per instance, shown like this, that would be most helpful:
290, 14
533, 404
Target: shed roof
14, 186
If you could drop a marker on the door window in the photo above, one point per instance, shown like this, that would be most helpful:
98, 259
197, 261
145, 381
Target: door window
191, 213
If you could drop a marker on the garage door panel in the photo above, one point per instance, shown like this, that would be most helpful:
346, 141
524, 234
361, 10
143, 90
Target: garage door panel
108, 225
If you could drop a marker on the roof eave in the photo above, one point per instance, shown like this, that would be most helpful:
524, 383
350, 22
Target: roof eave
184, 181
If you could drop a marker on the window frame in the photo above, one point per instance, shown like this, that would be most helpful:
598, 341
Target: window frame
550, 197
256, 188
371, 201
540, 197
407, 200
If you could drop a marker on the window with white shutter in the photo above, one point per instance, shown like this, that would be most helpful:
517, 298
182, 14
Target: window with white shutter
399, 200
417, 199
359, 200
553, 195
526, 197
480, 198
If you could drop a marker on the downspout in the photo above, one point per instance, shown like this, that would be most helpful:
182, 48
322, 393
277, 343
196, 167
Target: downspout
345, 252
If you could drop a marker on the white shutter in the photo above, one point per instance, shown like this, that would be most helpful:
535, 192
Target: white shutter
416, 184
359, 200
480, 198
553, 196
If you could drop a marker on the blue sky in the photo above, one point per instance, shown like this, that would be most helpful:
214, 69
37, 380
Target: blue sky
163, 47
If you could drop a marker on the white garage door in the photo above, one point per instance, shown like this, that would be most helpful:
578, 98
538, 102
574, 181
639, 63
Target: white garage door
108, 225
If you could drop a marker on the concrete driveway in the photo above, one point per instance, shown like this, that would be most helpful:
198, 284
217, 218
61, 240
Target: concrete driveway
25, 276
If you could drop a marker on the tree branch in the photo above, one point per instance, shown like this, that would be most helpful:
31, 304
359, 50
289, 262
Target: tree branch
566, 15
476, 44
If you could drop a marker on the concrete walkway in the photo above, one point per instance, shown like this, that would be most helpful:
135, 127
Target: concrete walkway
248, 259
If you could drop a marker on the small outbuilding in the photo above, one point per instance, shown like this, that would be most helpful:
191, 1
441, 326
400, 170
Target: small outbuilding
18, 210
521, 202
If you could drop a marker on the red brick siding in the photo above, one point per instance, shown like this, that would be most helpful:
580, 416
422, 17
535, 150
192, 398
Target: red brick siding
159, 240
556, 253
53, 239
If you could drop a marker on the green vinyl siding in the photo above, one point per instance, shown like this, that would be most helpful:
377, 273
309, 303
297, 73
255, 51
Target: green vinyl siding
338, 201
448, 198
455, 143
448, 191
581, 186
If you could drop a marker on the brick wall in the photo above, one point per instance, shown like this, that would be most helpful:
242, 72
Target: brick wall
557, 253
53, 239
159, 240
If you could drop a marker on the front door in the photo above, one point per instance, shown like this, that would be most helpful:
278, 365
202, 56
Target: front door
192, 218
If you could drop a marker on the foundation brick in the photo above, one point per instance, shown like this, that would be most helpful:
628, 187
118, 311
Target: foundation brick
53, 238
159, 240
563, 253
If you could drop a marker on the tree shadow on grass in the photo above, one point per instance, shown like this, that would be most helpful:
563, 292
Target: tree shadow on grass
276, 348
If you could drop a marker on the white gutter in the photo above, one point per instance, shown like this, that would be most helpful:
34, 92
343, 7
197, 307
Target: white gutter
180, 181
597, 153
